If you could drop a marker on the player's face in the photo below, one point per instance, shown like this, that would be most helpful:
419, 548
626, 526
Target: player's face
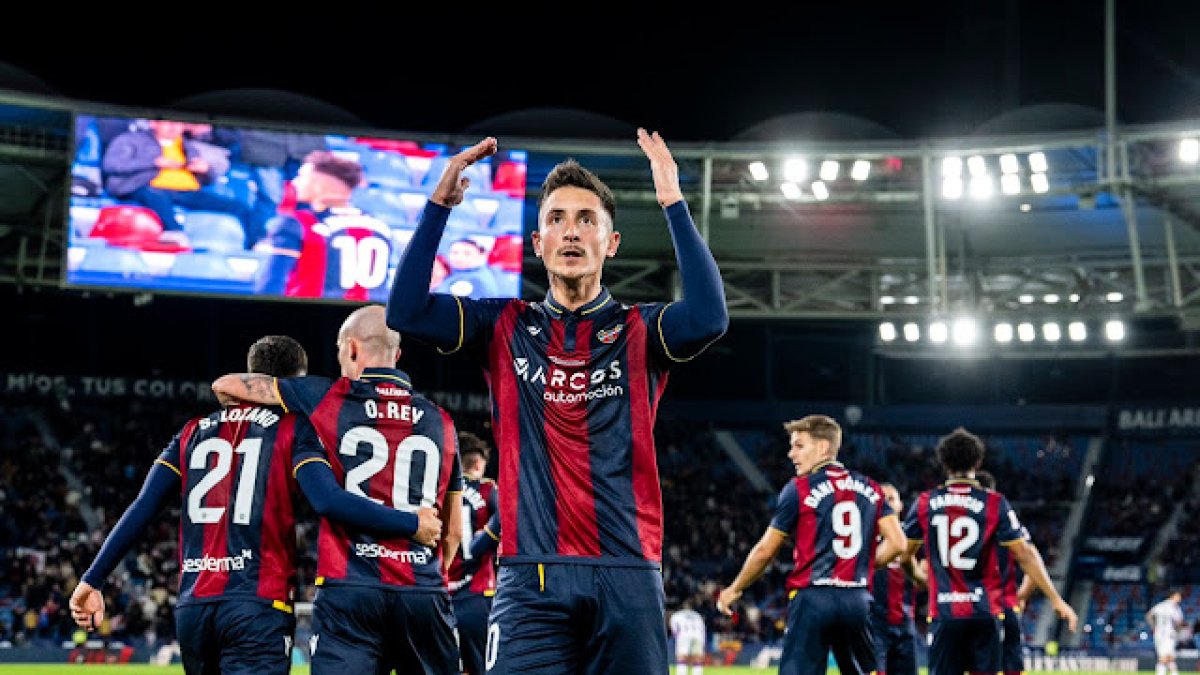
575, 234
806, 452
893, 498
167, 130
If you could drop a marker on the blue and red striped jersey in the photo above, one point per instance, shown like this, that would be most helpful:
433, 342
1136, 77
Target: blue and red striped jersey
480, 503
237, 525
963, 526
339, 253
893, 594
1010, 574
834, 514
391, 445
575, 395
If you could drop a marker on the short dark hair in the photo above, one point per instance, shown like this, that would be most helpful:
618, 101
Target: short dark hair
348, 171
571, 173
986, 479
469, 444
960, 451
277, 356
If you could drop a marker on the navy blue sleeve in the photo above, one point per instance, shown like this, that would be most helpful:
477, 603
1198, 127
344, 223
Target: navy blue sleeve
787, 510
444, 321
302, 394
912, 525
685, 328
486, 539
284, 241
161, 483
1008, 527
330, 501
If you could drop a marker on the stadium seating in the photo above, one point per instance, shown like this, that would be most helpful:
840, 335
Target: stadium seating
212, 231
129, 226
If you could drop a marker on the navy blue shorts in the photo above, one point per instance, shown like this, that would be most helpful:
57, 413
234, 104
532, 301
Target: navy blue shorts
960, 645
572, 618
895, 647
471, 611
360, 629
821, 620
1014, 653
234, 637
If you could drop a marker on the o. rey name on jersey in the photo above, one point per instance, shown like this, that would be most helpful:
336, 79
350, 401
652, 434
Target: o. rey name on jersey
575, 395
236, 531
963, 526
391, 445
834, 514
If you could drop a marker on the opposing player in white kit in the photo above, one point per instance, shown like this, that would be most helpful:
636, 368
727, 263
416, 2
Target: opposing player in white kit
687, 627
1166, 618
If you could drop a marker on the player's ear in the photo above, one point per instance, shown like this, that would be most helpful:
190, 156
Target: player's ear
614, 240
536, 238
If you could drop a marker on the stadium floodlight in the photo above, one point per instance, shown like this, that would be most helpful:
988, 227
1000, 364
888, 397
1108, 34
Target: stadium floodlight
887, 331
977, 165
758, 171
1074, 297
1025, 299
938, 332
952, 167
981, 187
1010, 184
1077, 331
829, 170
964, 331
1039, 183
795, 169
860, 169
790, 190
1009, 163
952, 187
1114, 330
1037, 162
911, 300
820, 191
1025, 332
1050, 298
1003, 332
1051, 331
1114, 296
887, 299
912, 332
1189, 150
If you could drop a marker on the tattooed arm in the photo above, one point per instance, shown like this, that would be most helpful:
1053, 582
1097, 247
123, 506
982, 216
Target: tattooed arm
247, 388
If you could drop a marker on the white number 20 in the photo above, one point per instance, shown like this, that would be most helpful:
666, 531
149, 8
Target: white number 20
406, 454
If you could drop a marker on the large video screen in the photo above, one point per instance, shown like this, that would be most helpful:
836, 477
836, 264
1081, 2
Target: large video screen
162, 205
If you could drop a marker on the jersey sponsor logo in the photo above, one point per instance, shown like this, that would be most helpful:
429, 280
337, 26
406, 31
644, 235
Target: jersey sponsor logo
385, 390
210, 563
955, 597
571, 386
418, 557
825, 488
610, 335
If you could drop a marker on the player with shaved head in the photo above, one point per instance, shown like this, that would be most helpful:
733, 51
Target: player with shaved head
383, 603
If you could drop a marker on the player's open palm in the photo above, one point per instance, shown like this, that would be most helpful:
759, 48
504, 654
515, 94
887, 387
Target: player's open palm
87, 606
452, 184
662, 167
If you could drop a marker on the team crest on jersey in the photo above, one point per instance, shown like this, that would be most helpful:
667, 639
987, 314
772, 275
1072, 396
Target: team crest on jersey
609, 336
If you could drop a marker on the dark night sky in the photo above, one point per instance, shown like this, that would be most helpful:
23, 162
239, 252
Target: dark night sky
921, 69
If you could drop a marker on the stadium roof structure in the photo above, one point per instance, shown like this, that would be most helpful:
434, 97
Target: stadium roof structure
874, 227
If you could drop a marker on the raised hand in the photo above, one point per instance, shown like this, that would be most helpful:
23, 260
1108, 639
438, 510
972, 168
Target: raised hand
662, 167
452, 184
87, 606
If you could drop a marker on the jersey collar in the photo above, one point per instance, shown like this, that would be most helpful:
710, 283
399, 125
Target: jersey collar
600, 301
963, 481
387, 374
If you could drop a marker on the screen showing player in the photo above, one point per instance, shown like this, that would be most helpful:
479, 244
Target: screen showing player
167, 205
